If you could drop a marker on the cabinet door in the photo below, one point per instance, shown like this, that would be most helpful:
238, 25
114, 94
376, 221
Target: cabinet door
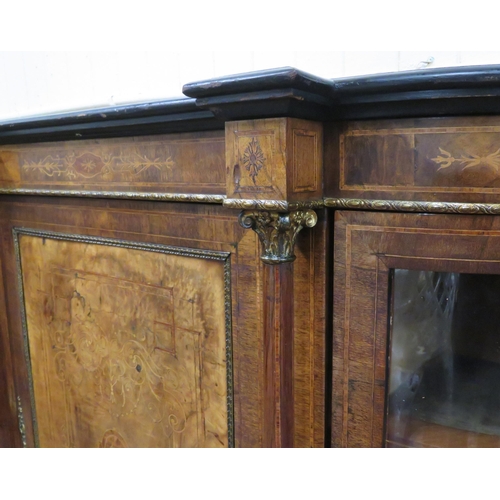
125, 331
154, 324
416, 341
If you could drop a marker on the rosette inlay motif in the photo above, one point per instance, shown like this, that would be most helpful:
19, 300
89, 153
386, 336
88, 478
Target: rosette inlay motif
253, 158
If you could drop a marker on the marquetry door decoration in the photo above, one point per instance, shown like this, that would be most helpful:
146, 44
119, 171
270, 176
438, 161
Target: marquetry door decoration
128, 344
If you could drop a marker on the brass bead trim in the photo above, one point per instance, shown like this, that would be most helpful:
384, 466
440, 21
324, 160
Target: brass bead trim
229, 352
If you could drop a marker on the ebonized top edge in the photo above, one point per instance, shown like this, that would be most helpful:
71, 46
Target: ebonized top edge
269, 79
117, 112
411, 80
273, 93
457, 77
154, 117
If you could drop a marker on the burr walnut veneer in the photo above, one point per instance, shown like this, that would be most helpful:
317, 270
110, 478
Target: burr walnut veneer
236, 268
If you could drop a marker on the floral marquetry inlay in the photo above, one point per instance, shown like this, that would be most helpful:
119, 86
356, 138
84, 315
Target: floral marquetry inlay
191, 163
446, 160
89, 165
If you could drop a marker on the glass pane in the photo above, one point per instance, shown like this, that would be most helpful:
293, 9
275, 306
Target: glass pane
444, 360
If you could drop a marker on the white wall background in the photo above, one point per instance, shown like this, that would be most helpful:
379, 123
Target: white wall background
47, 82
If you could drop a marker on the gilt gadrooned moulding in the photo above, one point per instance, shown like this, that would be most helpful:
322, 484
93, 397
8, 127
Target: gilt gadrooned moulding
435, 207
277, 231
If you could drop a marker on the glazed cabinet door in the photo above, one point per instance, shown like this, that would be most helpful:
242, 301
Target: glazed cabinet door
416, 341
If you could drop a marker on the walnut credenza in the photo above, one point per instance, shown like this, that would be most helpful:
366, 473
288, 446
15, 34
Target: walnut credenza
219, 270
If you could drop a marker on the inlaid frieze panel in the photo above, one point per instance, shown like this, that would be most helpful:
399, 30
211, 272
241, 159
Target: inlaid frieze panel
128, 345
274, 159
456, 158
255, 167
307, 148
192, 163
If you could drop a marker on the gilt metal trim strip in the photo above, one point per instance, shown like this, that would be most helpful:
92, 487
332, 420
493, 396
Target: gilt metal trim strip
414, 206
150, 247
135, 195
274, 205
361, 204
20, 419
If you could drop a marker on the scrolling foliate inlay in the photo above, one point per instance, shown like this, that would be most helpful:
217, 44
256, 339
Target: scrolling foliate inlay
491, 161
167, 163
277, 231
88, 165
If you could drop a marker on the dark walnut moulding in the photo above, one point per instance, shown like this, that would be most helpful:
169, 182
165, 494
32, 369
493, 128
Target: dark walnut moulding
284, 92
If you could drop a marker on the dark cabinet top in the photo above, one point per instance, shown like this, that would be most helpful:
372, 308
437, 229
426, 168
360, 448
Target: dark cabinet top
473, 90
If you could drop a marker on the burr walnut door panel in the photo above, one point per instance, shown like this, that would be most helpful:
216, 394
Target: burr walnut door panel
126, 342
416, 356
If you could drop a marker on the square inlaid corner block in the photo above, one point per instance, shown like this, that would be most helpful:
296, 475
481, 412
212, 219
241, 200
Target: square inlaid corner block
274, 159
